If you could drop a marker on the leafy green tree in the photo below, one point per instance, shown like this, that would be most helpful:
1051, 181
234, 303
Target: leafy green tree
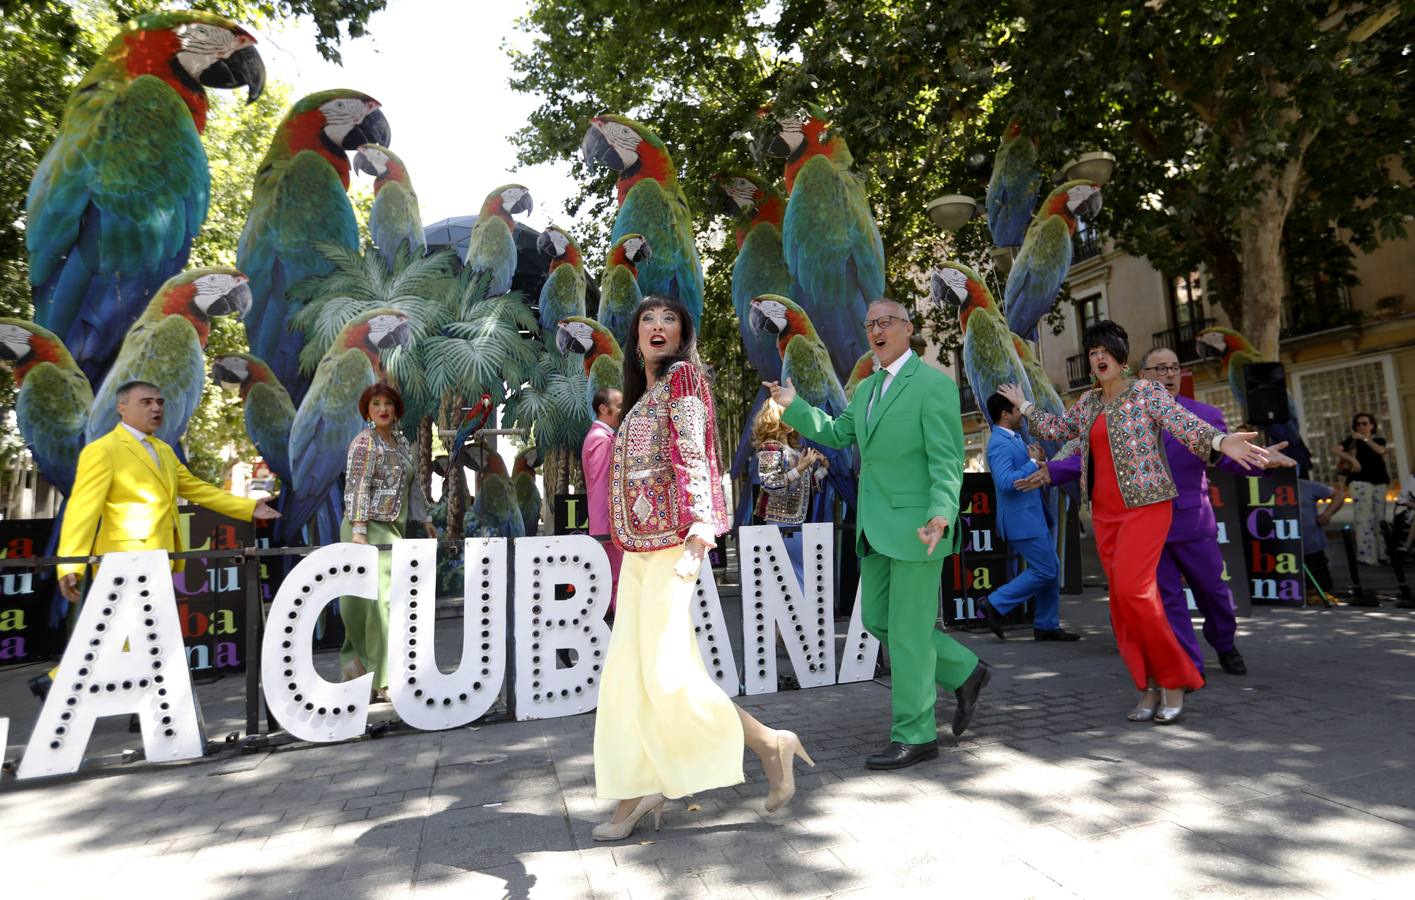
1226, 117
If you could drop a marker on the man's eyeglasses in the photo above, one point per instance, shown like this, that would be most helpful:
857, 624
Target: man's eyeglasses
1163, 370
881, 323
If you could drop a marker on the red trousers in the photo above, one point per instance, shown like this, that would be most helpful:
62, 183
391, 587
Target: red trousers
1146, 641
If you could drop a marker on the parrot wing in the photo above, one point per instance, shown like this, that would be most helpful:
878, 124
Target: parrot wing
807, 363
294, 207
528, 501
164, 351
1037, 274
619, 297
760, 268
562, 296
662, 217
395, 222
492, 248
269, 418
1012, 192
113, 208
836, 258
990, 359
605, 372
52, 409
496, 509
326, 421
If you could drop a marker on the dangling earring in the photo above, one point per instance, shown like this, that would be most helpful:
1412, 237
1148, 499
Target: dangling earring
641, 359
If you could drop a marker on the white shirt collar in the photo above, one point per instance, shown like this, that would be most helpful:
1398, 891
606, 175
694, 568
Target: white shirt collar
601, 424
894, 367
137, 435
1005, 430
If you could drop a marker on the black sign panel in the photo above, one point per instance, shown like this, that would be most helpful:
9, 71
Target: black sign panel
983, 564
1262, 520
26, 595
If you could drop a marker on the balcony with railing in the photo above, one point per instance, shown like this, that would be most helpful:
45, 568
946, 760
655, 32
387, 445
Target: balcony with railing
1307, 311
1181, 339
1086, 243
1078, 371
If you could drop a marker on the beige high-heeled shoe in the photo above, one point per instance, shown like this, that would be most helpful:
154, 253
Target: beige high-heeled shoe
618, 831
788, 747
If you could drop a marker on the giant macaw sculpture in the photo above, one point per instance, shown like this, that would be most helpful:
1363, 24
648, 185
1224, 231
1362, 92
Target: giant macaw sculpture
563, 294
989, 356
53, 398
651, 203
1235, 353
491, 247
829, 236
604, 360
395, 223
1013, 188
300, 200
117, 199
1045, 257
619, 293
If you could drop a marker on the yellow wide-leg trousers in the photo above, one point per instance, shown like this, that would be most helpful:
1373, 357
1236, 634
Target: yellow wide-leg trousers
663, 725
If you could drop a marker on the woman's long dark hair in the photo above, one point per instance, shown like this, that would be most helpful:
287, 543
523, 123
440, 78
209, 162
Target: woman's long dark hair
1375, 426
635, 379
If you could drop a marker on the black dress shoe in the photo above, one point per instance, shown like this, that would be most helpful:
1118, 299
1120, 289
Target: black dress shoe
39, 685
1054, 634
1233, 663
992, 617
967, 695
897, 755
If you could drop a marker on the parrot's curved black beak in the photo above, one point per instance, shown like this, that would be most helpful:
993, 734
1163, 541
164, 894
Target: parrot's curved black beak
759, 320
545, 245
244, 67
374, 129
362, 164
780, 148
400, 336
597, 150
1090, 207
566, 342
223, 377
643, 254
237, 302
1207, 350
523, 205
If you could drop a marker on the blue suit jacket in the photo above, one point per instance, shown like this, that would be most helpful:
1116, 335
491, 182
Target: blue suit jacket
1019, 514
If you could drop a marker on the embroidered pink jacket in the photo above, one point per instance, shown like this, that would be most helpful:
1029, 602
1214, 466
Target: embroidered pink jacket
666, 480
1133, 421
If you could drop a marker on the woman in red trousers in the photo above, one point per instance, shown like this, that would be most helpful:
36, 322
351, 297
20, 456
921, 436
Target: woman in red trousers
1125, 478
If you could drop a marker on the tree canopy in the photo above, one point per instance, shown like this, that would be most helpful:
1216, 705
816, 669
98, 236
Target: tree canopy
1229, 119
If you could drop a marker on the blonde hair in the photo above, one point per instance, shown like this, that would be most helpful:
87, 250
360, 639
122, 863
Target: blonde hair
767, 426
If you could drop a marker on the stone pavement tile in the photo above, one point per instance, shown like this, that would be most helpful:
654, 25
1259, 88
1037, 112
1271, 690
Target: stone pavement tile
552, 875
1389, 794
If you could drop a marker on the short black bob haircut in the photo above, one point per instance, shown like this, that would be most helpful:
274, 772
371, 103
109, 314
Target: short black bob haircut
1108, 336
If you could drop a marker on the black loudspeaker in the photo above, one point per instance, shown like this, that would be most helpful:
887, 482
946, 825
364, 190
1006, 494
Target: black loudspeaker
1266, 386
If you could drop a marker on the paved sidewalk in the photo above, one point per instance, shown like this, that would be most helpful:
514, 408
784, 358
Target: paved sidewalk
1294, 781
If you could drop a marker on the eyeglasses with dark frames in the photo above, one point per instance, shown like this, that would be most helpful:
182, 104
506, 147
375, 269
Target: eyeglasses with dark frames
1166, 369
881, 323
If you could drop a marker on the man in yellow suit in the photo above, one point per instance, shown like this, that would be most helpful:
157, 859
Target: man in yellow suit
125, 494
126, 489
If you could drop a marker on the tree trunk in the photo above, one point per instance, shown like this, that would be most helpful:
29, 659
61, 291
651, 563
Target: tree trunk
1261, 239
425, 455
455, 487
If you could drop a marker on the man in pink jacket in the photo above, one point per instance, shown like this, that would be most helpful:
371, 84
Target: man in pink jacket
597, 457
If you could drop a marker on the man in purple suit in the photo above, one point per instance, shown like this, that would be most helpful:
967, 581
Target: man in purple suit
1191, 552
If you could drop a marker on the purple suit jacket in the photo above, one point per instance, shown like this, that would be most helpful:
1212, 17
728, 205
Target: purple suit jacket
1193, 513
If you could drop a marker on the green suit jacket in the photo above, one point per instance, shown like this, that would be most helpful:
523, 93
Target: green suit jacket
911, 457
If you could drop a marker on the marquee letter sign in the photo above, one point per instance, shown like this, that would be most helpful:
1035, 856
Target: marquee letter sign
302, 701
772, 598
425, 697
711, 630
125, 656
861, 649
551, 629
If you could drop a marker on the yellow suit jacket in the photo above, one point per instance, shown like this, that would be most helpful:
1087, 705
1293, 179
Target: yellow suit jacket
122, 500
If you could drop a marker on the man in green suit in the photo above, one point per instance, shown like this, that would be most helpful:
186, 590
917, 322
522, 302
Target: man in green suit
906, 420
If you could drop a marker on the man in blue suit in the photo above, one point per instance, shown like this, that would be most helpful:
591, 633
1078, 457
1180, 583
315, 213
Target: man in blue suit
1024, 522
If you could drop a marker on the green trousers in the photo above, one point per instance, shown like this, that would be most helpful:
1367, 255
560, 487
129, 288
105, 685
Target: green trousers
899, 605
366, 621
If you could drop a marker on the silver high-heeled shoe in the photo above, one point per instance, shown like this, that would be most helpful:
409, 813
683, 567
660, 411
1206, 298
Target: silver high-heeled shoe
618, 831
1168, 715
1145, 712
788, 747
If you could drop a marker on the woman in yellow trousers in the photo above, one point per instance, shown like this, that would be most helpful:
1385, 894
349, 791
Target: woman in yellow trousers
664, 728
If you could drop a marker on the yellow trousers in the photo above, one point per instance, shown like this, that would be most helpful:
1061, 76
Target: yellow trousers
663, 725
